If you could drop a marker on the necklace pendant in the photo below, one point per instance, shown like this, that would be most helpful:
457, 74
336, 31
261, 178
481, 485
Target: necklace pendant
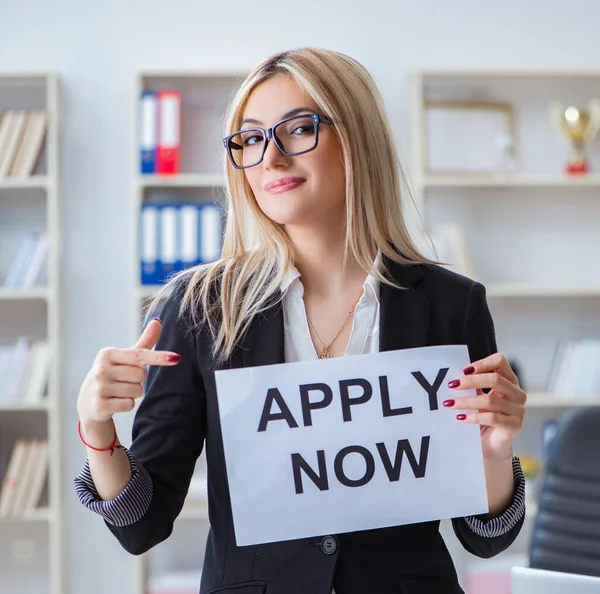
324, 354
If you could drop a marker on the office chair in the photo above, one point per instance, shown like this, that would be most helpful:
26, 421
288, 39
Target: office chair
566, 533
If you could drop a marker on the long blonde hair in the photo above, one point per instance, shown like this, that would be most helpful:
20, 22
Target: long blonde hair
228, 293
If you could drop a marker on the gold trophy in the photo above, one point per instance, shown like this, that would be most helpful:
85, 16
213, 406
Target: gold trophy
579, 126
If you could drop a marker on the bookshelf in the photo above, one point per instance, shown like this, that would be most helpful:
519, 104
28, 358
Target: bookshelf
529, 229
32, 546
177, 562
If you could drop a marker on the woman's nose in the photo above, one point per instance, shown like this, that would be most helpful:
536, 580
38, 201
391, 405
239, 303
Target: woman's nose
274, 157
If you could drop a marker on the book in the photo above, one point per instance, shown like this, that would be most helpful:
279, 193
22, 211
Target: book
37, 373
6, 123
12, 478
15, 133
26, 477
574, 371
31, 144
36, 262
39, 475
20, 262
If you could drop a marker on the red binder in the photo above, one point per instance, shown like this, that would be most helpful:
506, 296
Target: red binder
168, 150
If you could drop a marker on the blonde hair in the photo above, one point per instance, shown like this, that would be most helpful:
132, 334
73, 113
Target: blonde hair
227, 294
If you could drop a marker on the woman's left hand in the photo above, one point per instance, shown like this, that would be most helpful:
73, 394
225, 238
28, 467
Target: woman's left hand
500, 412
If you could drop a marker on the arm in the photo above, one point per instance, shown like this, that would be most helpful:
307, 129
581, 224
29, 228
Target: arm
486, 536
168, 434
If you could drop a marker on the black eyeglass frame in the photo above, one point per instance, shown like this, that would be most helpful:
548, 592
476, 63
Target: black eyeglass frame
269, 133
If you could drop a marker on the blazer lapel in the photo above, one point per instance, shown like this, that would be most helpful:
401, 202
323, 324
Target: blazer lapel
404, 314
403, 322
264, 342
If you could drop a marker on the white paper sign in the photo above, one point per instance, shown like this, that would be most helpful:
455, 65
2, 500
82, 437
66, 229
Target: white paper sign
346, 444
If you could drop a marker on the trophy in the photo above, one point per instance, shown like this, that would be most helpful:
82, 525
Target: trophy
579, 126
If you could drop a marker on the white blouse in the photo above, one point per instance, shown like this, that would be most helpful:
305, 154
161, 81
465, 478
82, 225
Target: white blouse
364, 336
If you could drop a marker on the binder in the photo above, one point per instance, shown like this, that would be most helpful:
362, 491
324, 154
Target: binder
148, 131
189, 247
149, 244
210, 232
168, 252
169, 132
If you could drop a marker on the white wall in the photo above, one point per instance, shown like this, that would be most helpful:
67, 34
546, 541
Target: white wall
96, 48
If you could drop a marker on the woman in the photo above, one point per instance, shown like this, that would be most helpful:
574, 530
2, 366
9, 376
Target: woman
317, 262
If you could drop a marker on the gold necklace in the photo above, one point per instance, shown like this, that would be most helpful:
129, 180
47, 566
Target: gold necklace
325, 352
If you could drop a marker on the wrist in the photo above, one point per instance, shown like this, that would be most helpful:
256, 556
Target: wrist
99, 436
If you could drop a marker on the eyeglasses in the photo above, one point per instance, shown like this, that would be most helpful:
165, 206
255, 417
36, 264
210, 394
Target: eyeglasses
292, 136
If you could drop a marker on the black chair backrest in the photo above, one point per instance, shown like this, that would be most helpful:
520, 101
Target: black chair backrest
566, 534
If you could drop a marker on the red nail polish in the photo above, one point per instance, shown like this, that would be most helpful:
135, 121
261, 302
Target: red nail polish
157, 319
173, 358
461, 417
469, 370
448, 403
454, 384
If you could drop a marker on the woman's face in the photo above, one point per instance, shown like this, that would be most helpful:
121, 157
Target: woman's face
317, 192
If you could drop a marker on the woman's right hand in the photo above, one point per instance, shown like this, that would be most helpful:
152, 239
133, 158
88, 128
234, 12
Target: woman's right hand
116, 377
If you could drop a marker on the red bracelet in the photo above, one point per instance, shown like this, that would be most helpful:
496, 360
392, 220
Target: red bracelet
112, 447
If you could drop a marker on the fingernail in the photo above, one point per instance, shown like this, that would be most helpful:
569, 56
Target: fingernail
448, 403
173, 358
454, 384
469, 370
461, 417
158, 319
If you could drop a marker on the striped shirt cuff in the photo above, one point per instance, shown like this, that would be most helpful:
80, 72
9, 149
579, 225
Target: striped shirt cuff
129, 506
502, 524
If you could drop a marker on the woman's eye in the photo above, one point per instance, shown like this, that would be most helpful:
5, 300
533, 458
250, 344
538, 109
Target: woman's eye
251, 140
302, 129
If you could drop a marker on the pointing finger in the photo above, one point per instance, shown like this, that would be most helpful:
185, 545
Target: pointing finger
150, 335
141, 357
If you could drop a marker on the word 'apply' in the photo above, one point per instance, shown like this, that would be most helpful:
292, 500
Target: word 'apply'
346, 444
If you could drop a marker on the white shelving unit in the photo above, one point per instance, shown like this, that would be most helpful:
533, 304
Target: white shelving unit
205, 97
32, 546
532, 233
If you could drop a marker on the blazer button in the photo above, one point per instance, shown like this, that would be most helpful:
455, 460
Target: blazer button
329, 545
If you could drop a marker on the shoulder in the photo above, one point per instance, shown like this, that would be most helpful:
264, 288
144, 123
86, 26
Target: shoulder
433, 280
440, 284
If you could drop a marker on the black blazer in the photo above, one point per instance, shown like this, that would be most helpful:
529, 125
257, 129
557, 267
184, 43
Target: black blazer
179, 413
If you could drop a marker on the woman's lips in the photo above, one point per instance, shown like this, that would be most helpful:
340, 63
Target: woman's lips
283, 183
285, 187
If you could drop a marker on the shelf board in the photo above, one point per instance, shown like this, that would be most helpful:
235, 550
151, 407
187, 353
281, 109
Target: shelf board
9, 294
522, 73
18, 183
182, 180
39, 514
515, 181
23, 407
540, 290
544, 400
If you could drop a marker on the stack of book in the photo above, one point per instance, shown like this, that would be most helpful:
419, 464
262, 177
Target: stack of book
22, 135
25, 477
27, 266
174, 237
575, 369
24, 371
